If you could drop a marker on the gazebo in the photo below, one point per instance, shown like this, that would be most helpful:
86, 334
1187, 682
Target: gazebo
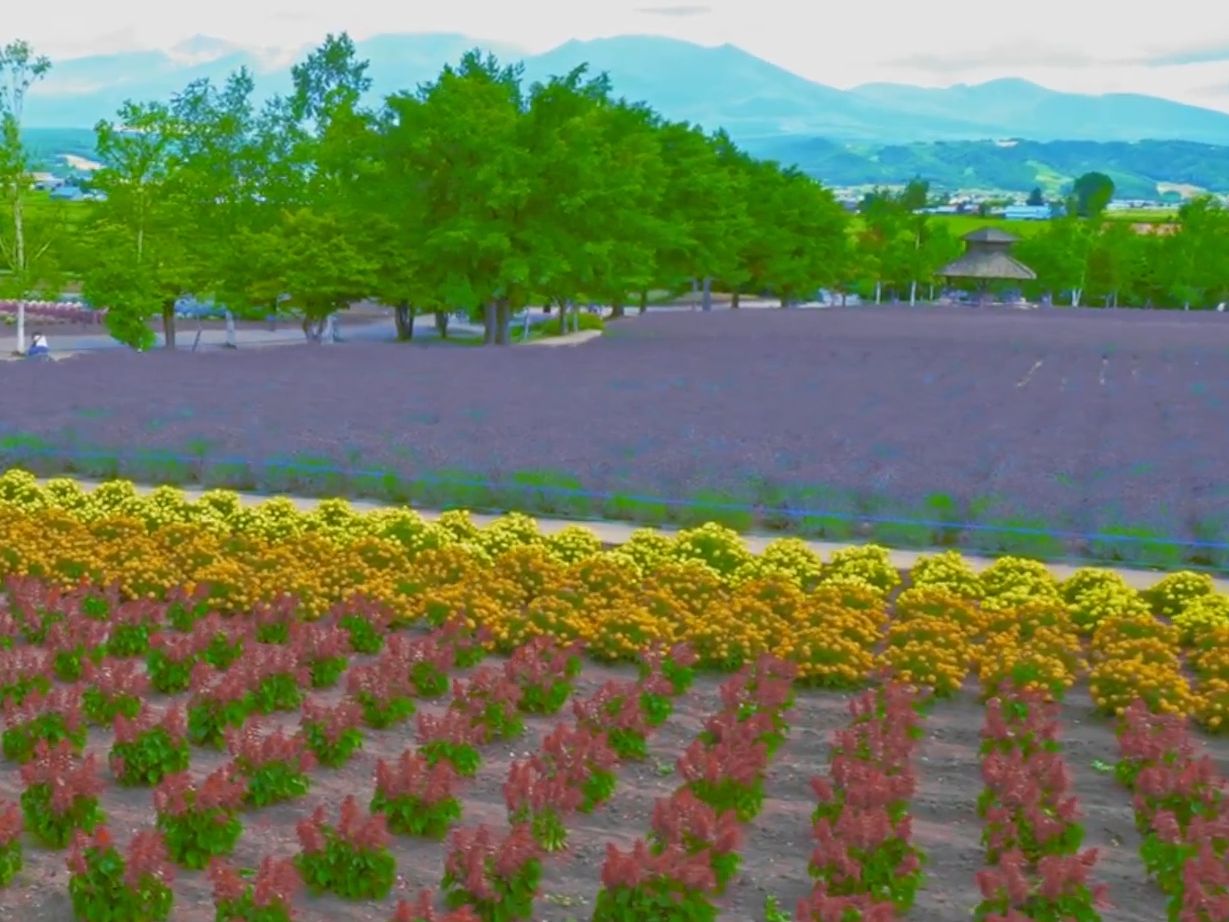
987, 258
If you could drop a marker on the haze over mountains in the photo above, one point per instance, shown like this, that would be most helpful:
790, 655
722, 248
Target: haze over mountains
763, 106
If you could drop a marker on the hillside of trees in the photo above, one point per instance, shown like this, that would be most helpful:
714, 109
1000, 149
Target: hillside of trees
1136, 168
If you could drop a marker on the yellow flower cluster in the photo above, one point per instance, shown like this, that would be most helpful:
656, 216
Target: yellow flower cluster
1210, 662
948, 571
1094, 596
1172, 593
868, 564
1210, 658
940, 601
1200, 615
1010, 582
930, 651
1211, 705
1034, 645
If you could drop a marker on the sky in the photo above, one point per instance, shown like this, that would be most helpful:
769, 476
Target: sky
1178, 49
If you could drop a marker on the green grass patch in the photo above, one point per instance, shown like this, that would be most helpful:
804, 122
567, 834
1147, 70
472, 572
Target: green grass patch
547, 493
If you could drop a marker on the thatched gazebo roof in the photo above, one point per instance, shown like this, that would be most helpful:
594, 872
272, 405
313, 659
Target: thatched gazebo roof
988, 257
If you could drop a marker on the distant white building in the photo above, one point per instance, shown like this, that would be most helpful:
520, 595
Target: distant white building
1027, 213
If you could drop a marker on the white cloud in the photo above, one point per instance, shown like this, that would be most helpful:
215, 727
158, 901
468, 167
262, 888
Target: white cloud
1083, 46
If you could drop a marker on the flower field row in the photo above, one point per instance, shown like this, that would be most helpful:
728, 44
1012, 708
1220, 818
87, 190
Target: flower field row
692, 852
865, 864
1031, 830
838, 620
1181, 811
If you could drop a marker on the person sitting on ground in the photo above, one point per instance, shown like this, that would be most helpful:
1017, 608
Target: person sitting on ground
38, 346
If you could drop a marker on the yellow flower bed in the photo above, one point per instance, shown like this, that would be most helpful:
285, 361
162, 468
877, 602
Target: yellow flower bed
836, 619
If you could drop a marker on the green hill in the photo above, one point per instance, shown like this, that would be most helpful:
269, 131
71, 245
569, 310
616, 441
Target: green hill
1136, 168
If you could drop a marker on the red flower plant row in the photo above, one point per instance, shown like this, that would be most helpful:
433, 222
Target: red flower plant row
1032, 832
692, 852
1181, 807
864, 863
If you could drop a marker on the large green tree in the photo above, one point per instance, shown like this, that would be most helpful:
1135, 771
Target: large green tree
462, 137
140, 262
1092, 193
211, 179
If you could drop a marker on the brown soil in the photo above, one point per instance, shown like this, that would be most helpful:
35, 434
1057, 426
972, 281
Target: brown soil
775, 850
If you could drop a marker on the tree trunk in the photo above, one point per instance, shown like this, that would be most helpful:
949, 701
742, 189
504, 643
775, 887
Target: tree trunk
734, 300
525, 332
932, 292
616, 309
707, 297
1076, 294
644, 300
19, 261
441, 324
490, 323
230, 331
912, 294
313, 329
695, 289
502, 317
878, 292
506, 323
168, 324
844, 298
332, 328
784, 302
403, 317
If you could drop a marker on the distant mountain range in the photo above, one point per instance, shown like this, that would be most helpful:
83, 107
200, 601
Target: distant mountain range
871, 133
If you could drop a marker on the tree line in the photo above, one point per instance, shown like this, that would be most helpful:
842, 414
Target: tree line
473, 192
477, 193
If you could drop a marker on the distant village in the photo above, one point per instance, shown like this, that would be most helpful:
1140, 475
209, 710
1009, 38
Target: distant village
71, 183
996, 204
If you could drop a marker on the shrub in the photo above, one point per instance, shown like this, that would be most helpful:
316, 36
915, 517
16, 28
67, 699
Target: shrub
869, 563
274, 764
351, 858
267, 898
1172, 593
200, 822
53, 717
1201, 615
11, 827
107, 886
497, 878
61, 794
147, 749
332, 733
417, 797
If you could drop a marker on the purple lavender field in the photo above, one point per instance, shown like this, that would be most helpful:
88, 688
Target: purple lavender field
1080, 421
